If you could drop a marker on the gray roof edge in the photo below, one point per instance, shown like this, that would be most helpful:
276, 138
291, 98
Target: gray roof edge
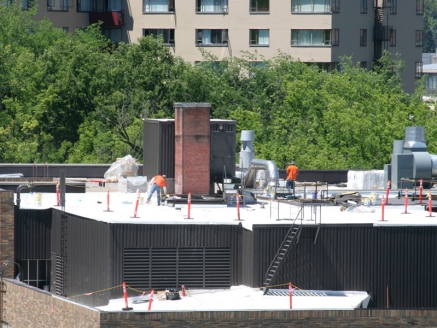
200, 104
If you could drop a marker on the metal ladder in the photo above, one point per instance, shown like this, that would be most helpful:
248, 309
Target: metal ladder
288, 242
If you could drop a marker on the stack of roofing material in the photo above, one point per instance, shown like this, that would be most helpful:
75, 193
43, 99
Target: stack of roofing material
365, 180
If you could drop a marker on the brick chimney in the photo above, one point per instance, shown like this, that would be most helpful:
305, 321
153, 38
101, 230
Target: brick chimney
192, 148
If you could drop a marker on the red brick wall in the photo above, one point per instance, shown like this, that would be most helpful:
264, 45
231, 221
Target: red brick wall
7, 232
192, 148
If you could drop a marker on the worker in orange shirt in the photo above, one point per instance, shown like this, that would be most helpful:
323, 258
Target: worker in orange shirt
292, 172
156, 184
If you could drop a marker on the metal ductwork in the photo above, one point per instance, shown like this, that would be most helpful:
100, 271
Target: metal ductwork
246, 154
271, 173
412, 161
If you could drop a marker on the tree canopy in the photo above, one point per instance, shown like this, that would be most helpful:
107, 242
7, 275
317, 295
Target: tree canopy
77, 98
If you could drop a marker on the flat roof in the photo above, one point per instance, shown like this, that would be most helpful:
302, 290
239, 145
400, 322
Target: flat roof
243, 298
93, 205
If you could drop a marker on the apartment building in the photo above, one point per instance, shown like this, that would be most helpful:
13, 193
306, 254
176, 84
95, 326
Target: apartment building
318, 31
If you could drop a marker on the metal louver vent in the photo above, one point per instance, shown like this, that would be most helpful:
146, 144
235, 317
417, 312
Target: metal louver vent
59, 279
203, 267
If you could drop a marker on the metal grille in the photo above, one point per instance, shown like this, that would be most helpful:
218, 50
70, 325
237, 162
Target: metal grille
59, 280
202, 267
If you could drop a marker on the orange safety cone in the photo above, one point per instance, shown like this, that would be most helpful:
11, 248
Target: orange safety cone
127, 308
420, 191
382, 208
406, 202
136, 204
189, 206
58, 195
237, 196
151, 299
290, 292
387, 192
430, 205
183, 291
107, 202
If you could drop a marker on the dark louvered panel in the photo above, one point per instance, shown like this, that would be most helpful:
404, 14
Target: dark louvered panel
191, 266
59, 280
137, 267
160, 268
164, 261
217, 267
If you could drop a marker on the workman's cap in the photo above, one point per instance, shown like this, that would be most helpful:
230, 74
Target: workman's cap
292, 162
163, 176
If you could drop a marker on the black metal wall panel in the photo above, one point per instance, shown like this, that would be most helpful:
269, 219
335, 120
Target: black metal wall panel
247, 258
172, 236
223, 148
396, 261
32, 234
158, 148
84, 246
52, 170
329, 176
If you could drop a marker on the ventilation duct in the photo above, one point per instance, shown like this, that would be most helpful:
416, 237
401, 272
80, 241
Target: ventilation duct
246, 154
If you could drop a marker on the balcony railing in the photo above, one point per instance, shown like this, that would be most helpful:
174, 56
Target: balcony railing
108, 18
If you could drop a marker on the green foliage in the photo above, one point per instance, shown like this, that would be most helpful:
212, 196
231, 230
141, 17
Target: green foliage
77, 98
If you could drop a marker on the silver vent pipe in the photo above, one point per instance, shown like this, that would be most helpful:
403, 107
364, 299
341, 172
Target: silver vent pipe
246, 154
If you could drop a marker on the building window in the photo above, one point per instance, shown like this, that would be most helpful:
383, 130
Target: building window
84, 5
392, 38
36, 273
419, 70
113, 34
259, 37
335, 6
329, 67
431, 82
363, 37
308, 6
313, 37
205, 37
98, 5
158, 6
419, 7
211, 6
259, 6
65, 30
363, 6
26, 4
166, 35
394, 7
57, 5
419, 38
217, 66
363, 65
255, 67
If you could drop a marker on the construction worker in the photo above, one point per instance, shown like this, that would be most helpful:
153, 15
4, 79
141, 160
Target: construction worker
156, 184
292, 172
